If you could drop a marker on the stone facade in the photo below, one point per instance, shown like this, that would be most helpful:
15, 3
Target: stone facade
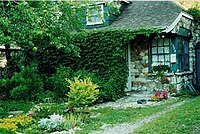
3, 60
141, 79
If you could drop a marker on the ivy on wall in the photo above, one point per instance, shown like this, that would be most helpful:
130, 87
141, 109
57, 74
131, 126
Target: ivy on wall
195, 12
103, 52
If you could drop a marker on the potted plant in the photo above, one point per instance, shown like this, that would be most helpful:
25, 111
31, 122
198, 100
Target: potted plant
160, 70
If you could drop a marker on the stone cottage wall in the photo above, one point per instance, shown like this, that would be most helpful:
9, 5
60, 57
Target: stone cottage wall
142, 80
195, 40
139, 68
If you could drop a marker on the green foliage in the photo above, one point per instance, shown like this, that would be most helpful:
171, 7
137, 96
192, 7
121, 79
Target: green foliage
82, 92
195, 12
31, 23
6, 106
57, 82
45, 109
73, 120
160, 69
58, 85
103, 53
30, 84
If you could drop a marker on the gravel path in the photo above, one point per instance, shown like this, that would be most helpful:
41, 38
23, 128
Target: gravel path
131, 101
129, 128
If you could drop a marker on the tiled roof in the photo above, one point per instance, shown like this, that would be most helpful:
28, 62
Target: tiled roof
148, 14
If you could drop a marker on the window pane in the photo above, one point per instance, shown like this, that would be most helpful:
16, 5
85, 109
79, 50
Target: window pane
160, 50
186, 62
154, 57
166, 42
166, 57
160, 42
154, 50
167, 63
95, 14
166, 49
186, 49
155, 63
161, 58
154, 42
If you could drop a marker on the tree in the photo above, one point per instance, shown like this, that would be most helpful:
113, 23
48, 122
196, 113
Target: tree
37, 25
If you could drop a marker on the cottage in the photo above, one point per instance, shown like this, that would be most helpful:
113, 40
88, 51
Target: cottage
176, 47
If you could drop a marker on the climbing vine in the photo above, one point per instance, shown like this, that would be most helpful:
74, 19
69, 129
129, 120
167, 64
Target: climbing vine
103, 52
195, 12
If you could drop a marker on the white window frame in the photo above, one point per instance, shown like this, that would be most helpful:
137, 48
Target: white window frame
100, 15
160, 52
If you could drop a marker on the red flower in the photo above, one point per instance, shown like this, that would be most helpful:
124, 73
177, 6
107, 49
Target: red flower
175, 90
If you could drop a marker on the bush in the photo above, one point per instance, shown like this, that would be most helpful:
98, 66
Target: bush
57, 82
30, 84
195, 12
60, 86
82, 92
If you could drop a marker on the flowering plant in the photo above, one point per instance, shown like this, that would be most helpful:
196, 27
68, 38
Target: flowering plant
159, 96
53, 123
172, 89
14, 122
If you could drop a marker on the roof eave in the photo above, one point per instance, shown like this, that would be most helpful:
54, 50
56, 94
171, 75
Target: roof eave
172, 26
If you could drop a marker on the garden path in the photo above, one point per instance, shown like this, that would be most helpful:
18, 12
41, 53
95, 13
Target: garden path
130, 100
127, 128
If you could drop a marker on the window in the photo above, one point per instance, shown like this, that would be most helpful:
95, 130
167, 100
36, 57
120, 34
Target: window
95, 15
183, 54
160, 52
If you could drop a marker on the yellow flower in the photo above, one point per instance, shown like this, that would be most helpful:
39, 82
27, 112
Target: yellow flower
12, 123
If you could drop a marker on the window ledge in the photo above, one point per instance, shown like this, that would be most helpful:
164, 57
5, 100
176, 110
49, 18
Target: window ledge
165, 74
94, 23
171, 74
183, 73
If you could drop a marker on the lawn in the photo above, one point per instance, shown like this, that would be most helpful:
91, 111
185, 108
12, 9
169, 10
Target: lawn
87, 122
6, 106
183, 120
117, 116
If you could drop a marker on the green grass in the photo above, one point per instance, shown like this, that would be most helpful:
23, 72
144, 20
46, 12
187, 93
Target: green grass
183, 120
118, 116
6, 106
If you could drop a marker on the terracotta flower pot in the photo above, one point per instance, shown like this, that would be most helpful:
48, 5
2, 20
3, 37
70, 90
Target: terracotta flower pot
164, 80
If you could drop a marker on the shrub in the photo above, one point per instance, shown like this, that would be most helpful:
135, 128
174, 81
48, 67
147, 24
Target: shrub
195, 12
57, 82
53, 123
6, 85
82, 92
30, 84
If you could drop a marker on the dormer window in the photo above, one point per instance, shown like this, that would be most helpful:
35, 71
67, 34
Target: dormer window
95, 15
